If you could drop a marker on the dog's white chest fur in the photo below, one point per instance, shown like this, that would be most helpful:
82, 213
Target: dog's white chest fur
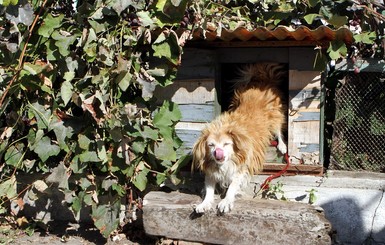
226, 173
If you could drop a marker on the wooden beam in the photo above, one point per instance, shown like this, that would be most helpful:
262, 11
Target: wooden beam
294, 169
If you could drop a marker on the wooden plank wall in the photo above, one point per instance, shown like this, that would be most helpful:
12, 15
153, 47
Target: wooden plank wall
304, 117
195, 93
197, 101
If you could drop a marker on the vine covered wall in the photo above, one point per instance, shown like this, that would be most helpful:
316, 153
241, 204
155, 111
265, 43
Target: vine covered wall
76, 83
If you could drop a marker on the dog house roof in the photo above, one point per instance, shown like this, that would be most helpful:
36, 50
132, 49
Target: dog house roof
280, 36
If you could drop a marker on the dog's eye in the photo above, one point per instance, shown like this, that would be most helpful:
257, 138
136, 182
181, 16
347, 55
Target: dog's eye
227, 143
211, 144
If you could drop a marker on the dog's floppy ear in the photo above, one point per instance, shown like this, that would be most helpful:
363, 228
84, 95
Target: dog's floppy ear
199, 153
247, 150
241, 145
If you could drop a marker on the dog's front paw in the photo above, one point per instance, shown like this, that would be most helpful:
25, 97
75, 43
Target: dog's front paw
282, 147
202, 208
225, 206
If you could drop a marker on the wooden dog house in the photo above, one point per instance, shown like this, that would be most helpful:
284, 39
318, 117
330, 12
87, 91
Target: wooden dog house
202, 90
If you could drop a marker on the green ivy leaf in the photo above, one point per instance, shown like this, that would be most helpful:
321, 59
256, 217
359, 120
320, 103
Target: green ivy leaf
166, 117
52, 50
8, 188
182, 161
119, 189
66, 91
313, 3
65, 130
14, 154
63, 41
124, 80
77, 203
309, 18
338, 21
107, 183
138, 146
33, 69
97, 27
140, 180
170, 11
89, 156
84, 142
42, 115
77, 166
106, 217
88, 199
119, 5
166, 45
145, 19
337, 49
59, 176
149, 133
34, 137
160, 178
21, 13
50, 24
165, 150
367, 38
44, 149
102, 152
90, 47
6, 3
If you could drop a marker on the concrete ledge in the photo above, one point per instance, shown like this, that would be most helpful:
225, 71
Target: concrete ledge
253, 221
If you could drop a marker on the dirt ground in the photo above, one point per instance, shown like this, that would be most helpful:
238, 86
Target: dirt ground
74, 234
60, 233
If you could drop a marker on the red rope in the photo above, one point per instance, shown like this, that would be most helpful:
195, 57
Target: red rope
265, 184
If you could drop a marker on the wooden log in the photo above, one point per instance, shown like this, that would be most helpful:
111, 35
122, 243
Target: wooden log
252, 221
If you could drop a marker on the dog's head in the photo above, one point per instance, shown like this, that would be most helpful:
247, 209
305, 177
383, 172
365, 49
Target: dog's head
214, 148
219, 144
220, 147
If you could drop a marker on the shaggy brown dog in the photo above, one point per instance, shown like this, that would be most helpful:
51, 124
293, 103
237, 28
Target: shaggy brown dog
232, 147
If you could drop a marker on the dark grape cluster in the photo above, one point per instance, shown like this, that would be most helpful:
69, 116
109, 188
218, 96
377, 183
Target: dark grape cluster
130, 16
188, 18
64, 7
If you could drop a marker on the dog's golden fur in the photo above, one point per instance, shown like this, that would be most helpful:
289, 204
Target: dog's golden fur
255, 116
256, 111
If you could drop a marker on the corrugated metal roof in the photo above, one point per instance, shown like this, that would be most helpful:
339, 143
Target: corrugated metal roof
320, 35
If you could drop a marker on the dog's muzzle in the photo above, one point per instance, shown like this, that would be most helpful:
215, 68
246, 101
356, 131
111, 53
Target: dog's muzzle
219, 154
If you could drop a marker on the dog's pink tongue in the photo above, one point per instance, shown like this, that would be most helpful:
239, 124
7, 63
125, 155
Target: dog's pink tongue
219, 154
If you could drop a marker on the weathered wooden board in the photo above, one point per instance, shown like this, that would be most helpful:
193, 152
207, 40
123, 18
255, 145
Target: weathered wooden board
304, 117
197, 63
198, 105
305, 98
272, 155
196, 98
294, 169
304, 80
301, 58
253, 55
188, 133
191, 91
252, 221
197, 112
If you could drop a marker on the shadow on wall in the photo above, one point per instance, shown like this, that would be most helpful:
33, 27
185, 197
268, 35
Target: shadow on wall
355, 223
